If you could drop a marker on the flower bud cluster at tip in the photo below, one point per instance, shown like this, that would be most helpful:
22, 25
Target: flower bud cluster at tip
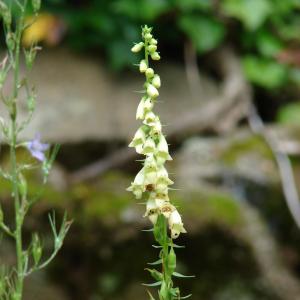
149, 141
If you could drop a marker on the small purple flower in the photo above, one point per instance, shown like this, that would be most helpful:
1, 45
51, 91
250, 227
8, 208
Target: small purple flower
37, 149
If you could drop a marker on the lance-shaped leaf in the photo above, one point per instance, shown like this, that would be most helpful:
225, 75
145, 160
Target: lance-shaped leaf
176, 274
158, 283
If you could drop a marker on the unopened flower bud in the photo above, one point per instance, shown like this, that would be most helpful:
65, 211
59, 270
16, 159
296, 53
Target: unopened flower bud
152, 91
155, 56
143, 66
152, 48
36, 249
156, 81
153, 41
31, 103
30, 56
149, 73
172, 260
148, 36
137, 47
22, 185
155, 274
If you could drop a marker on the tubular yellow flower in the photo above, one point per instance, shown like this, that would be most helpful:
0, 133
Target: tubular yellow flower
137, 47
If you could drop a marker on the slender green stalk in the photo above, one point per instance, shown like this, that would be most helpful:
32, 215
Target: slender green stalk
27, 260
14, 175
14, 171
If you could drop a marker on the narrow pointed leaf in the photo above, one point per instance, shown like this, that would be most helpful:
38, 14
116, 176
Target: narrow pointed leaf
185, 297
156, 246
176, 274
158, 283
177, 246
147, 230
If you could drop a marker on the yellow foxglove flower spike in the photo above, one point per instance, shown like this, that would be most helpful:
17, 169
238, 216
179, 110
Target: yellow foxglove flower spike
152, 182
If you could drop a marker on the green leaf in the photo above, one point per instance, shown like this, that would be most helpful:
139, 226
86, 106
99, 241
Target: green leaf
264, 72
289, 114
156, 246
177, 246
205, 32
268, 44
185, 297
148, 230
252, 13
176, 274
158, 283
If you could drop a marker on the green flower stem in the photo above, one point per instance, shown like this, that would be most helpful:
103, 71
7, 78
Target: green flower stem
28, 259
19, 211
165, 255
146, 54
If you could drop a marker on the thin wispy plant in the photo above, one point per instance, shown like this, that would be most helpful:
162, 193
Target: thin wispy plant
16, 91
152, 183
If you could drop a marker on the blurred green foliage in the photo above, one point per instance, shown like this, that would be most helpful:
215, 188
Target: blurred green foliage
289, 114
259, 29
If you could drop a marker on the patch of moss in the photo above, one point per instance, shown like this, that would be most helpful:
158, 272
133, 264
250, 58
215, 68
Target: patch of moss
241, 147
209, 207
